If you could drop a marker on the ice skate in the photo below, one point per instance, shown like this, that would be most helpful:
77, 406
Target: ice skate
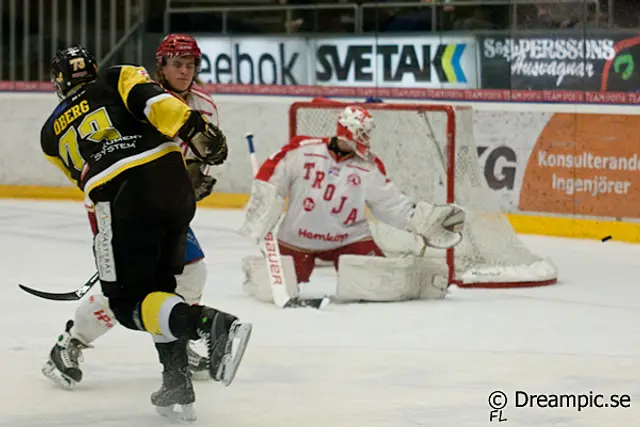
198, 365
176, 396
176, 393
227, 340
63, 367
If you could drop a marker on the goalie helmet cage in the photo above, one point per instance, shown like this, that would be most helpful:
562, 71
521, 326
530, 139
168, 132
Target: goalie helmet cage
429, 152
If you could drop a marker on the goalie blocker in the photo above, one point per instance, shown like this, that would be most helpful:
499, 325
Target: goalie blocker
328, 182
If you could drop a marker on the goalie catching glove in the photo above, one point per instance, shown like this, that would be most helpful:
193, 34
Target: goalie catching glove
206, 140
435, 224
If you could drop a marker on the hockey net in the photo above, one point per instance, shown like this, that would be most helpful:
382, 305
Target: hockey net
429, 152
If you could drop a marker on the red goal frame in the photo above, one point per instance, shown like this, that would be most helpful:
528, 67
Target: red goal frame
450, 112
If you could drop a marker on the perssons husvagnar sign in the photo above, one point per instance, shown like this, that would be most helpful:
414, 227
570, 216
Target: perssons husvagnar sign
556, 58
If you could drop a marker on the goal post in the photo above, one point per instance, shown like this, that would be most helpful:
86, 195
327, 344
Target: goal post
430, 153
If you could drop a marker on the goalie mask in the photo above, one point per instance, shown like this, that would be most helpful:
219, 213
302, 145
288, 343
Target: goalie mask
355, 125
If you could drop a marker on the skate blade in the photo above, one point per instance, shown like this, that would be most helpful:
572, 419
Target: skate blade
188, 413
50, 371
240, 333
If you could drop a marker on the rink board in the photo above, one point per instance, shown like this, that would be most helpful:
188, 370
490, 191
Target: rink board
522, 223
570, 170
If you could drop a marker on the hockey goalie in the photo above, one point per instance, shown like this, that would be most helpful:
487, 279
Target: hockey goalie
329, 183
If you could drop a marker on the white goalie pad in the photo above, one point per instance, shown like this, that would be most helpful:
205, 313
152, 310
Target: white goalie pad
256, 282
378, 279
263, 210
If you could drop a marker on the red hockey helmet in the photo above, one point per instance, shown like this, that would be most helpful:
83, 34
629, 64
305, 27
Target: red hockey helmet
177, 45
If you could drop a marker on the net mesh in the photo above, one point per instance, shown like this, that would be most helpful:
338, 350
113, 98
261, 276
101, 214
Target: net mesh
412, 143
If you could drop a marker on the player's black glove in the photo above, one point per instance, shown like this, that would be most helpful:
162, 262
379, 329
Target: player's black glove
206, 140
202, 184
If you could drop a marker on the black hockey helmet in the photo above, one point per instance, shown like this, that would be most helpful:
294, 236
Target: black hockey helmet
72, 67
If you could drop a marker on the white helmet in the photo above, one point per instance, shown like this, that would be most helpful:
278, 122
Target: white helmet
355, 125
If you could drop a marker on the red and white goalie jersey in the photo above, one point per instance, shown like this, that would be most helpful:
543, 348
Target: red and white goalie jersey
327, 195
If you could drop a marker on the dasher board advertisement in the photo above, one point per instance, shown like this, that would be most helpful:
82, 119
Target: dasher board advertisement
397, 61
565, 164
255, 60
584, 61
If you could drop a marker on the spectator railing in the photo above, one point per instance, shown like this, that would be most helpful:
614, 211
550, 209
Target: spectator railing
174, 7
32, 30
435, 5
106, 27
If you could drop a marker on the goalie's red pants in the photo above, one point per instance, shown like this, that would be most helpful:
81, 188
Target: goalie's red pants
305, 261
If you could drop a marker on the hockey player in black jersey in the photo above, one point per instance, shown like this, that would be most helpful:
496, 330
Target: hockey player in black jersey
112, 134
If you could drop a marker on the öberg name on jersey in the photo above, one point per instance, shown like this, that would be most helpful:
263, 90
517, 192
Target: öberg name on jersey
69, 116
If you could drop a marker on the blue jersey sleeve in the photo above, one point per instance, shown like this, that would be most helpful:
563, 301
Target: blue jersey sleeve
194, 251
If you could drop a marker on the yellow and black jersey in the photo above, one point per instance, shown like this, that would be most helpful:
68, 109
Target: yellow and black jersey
121, 120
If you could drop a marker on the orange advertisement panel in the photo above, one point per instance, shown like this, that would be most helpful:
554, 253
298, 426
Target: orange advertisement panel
585, 164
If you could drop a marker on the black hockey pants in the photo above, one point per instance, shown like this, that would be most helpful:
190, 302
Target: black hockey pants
143, 215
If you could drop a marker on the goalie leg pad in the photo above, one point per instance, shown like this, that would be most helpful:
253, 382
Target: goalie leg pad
256, 282
93, 318
377, 279
192, 281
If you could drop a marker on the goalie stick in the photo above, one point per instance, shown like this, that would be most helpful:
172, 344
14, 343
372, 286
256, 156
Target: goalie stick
66, 296
269, 246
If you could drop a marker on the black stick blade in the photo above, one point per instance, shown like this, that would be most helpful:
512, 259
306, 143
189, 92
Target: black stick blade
68, 296
65, 296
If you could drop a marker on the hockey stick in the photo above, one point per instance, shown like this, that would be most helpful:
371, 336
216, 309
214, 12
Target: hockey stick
269, 246
67, 296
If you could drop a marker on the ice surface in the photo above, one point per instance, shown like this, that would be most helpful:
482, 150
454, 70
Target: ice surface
426, 363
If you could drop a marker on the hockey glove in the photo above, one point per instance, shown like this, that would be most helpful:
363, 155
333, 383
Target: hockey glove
206, 140
435, 224
202, 183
